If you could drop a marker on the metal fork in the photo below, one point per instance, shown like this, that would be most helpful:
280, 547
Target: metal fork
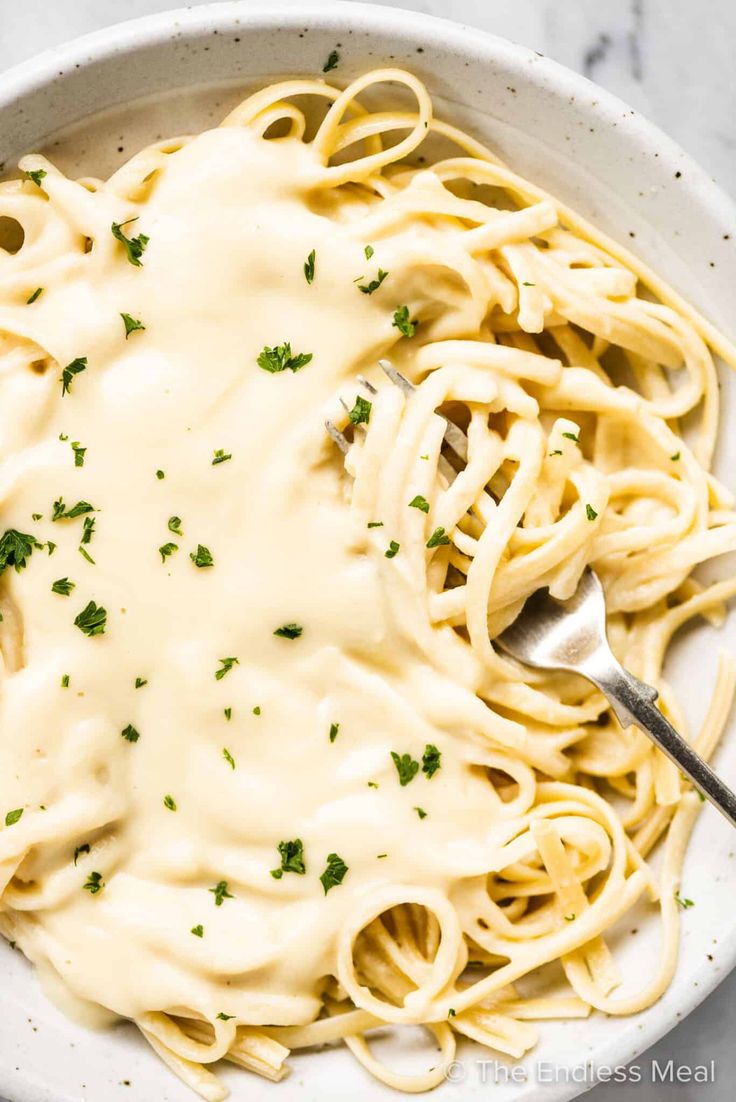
571, 636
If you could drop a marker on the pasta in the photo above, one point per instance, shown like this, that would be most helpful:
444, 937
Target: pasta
364, 815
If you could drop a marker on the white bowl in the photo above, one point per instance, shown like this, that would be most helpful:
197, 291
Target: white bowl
595, 153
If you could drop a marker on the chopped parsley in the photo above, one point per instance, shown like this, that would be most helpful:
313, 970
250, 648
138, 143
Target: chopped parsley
257, 710
92, 620
331, 62
140, 682
375, 524
570, 918
64, 681
220, 892
555, 452
94, 883
406, 767
202, 556
68, 373
402, 323
334, 730
60, 512
12, 817
360, 414
129, 733
198, 931
421, 812
334, 873
160, 474
369, 288
170, 803
309, 267
289, 631
220, 456
451, 1013
438, 538
572, 436
684, 903
62, 586
280, 358
79, 453
675, 457
131, 324
36, 294
369, 251
174, 525
393, 550
419, 502
590, 512
88, 530
228, 713
228, 757
134, 246
431, 760
84, 848
226, 664
225, 1017
292, 859
37, 175
167, 549
525, 284
15, 549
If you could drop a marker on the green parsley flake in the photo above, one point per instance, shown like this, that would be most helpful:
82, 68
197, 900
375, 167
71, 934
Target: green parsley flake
94, 883
369, 288
419, 502
431, 760
220, 892
63, 587
257, 710
402, 323
174, 525
225, 1017
170, 803
228, 757
421, 812
393, 550
572, 436
15, 549
13, 817
65, 681
129, 733
36, 295
79, 453
68, 373
438, 538
684, 903
590, 512
280, 358
332, 62
134, 246
220, 456
375, 524
334, 873
60, 512
167, 549
675, 457
92, 620
292, 859
160, 475
309, 267
369, 251
334, 730
228, 713
131, 324
226, 664
84, 848
198, 931
289, 631
37, 175
140, 682
360, 414
406, 767
202, 556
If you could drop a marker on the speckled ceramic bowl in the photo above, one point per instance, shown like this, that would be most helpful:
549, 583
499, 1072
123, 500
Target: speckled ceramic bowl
89, 105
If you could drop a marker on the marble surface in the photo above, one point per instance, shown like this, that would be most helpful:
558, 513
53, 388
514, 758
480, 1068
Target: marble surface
671, 59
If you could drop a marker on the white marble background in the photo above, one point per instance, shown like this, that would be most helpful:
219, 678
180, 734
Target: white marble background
674, 61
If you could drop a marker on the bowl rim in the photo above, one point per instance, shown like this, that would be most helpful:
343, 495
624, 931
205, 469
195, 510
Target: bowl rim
42, 70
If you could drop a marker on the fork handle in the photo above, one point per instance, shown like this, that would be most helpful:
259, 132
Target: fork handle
633, 702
